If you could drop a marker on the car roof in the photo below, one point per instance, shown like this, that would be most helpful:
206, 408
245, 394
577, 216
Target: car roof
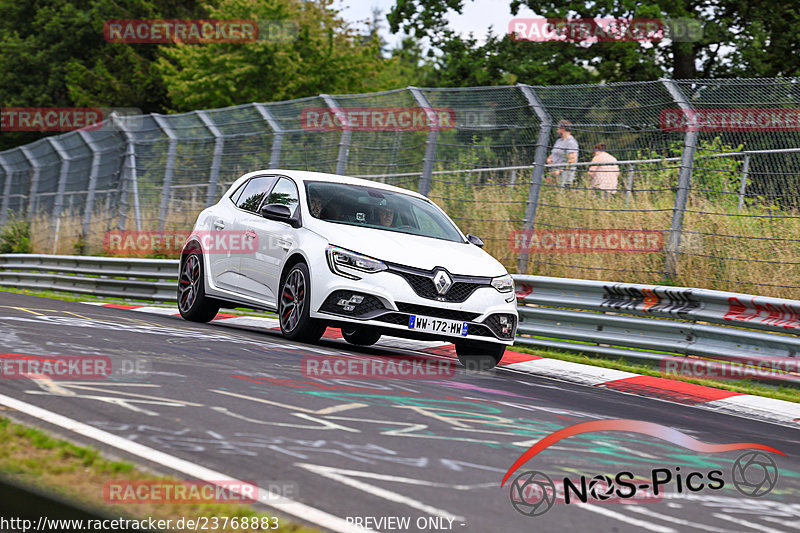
304, 175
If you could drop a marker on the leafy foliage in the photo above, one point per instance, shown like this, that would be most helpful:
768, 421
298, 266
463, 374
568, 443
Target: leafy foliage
15, 237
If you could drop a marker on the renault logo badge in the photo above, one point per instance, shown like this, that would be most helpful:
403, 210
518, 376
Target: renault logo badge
442, 282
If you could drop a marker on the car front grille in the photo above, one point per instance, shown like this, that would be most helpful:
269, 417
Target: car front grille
421, 281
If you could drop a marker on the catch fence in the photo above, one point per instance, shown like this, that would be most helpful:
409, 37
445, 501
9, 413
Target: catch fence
713, 206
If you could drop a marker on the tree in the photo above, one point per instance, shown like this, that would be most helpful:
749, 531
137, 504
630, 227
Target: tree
726, 48
325, 55
53, 53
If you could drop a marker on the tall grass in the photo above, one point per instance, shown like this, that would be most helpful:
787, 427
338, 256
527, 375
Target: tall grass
722, 247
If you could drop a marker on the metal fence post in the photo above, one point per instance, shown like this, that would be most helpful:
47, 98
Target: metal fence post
62, 184
629, 185
37, 170
684, 181
540, 159
169, 170
347, 133
743, 184
6, 191
216, 161
430, 144
277, 135
129, 177
90, 194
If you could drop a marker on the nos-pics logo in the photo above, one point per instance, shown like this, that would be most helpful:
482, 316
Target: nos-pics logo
533, 493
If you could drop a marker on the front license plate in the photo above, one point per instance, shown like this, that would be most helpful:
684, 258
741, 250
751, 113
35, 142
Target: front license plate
437, 325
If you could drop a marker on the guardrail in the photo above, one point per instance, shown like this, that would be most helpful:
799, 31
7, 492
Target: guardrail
120, 277
651, 322
645, 322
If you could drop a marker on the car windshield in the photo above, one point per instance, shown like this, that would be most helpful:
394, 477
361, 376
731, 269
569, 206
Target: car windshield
358, 205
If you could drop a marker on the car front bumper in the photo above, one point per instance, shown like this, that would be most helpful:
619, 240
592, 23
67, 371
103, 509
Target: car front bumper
386, 300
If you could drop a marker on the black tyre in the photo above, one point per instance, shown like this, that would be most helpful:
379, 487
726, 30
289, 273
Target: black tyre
193, 303
479, 355
293, 306
360, 336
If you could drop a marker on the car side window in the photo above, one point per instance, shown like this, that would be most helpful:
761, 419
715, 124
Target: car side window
253, 193
284, 193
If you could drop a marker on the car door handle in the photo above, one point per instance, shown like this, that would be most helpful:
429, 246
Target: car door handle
219, 224
284, 243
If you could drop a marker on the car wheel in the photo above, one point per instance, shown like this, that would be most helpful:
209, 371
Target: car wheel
479, 355
193, 303
294, 306
360, 336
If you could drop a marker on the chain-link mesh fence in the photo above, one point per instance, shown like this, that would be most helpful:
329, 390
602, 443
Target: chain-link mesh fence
702, 189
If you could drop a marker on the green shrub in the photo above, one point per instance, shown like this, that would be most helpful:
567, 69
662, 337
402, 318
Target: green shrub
15, 237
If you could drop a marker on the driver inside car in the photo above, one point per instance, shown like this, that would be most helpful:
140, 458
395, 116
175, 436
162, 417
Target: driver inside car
386, 215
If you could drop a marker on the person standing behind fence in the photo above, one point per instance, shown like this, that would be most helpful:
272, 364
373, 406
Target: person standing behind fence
605, 178
565, 150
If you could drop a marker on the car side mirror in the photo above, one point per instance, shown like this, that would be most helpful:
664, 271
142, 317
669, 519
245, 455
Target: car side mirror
279, 212
475, 240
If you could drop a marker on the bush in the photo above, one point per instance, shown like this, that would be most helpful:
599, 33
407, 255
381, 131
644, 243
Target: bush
15, 237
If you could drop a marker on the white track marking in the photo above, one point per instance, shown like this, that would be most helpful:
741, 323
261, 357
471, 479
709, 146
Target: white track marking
739, 520
346, 477
680, 521
792, 524
646, 526
271, 499
576, 372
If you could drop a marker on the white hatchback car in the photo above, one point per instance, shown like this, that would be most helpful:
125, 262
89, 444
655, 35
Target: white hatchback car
327, 250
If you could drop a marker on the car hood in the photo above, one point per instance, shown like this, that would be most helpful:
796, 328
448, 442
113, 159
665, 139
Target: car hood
413, 250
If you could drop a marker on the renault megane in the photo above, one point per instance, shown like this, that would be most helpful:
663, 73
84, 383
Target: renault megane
326, 250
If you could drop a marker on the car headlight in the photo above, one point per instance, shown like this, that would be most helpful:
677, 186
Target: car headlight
339, 258
503, 283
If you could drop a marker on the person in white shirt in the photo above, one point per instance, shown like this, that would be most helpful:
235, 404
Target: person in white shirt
605, 178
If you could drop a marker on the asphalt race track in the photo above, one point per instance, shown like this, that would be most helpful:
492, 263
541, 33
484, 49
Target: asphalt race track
235, 400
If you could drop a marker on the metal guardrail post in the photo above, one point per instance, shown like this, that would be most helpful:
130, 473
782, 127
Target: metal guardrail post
6, 190
62, 184
37, 170
277, 135
216, 161
129, 179
743, 184
430, 144
540, 159
347, 134
169, 170
684, 181
90, 193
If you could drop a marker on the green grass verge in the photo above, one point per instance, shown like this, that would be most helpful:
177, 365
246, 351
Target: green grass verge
30, 456
782, 392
